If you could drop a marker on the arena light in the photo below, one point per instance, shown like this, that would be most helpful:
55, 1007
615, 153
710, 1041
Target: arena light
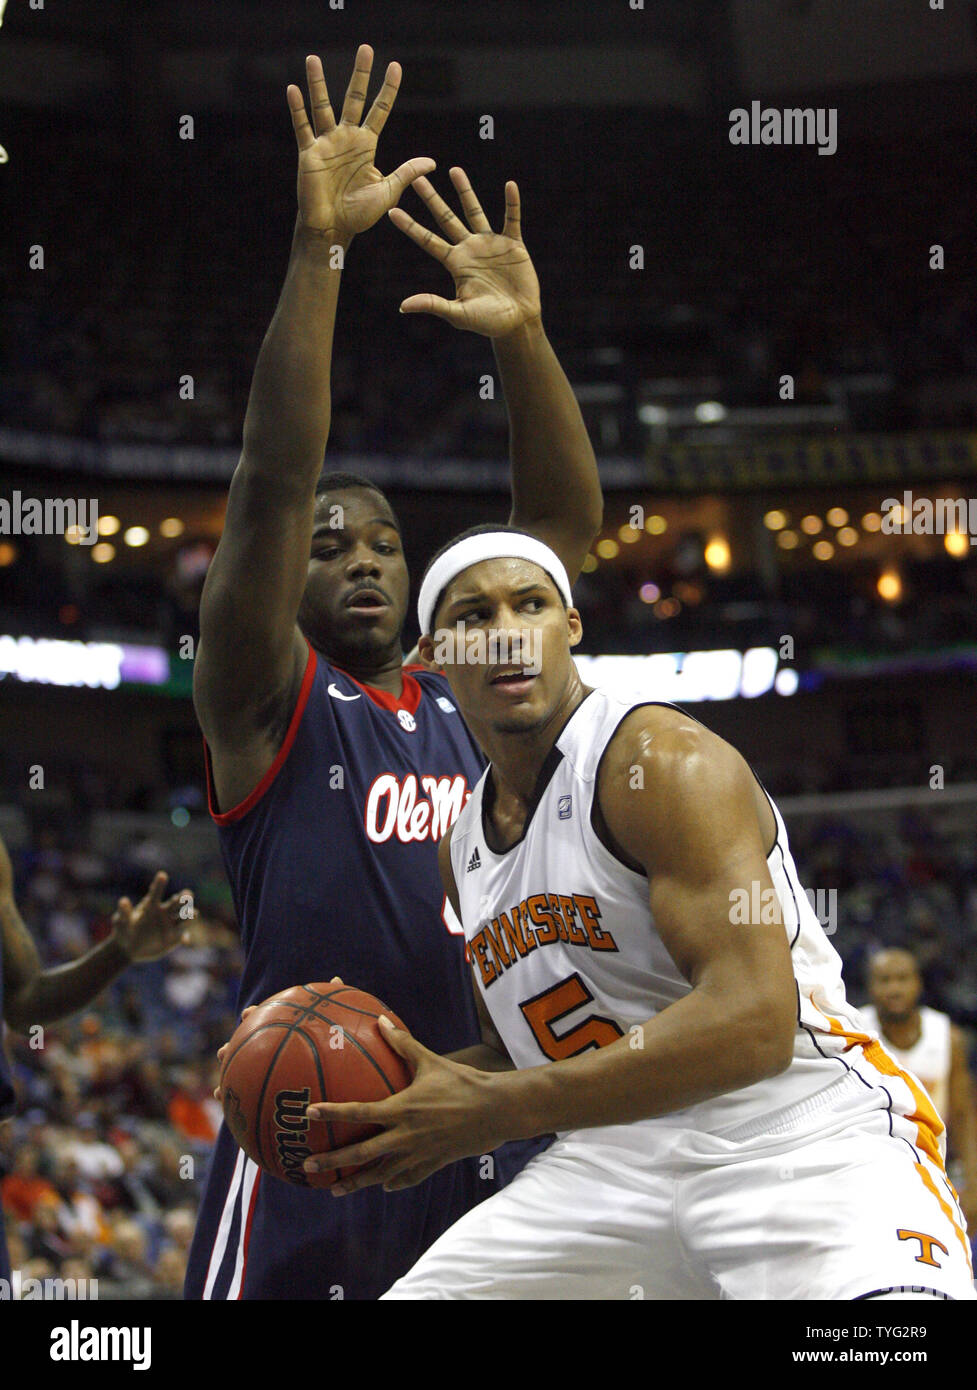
103, 553
889, 586
589, 564
649, 593
788, 540
170, 527
775, 520
871, 521
99, 665
652, 414
136, 536
45, 661
8, 554
717, 555
847, 536
957, 544
108, 525
710, 412
811, 525
690, 677
608, 548
628, 535
656, 525
837, 516
823, 550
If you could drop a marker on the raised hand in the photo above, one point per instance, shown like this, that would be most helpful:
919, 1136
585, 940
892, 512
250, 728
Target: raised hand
340, 189
153, 927
496, 289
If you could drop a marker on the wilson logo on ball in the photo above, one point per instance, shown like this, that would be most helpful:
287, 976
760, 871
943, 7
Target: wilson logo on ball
292, 1134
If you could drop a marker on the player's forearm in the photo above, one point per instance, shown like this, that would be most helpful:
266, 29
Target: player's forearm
54, 994
693, 1051
289, 409
554, 471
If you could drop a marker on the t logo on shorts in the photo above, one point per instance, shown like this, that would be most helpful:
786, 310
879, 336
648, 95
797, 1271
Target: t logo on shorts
926, 1243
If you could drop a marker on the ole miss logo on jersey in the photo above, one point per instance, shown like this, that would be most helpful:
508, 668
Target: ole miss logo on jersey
397, 808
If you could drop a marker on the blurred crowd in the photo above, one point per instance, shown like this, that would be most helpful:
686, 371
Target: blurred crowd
102, 1166
173, 265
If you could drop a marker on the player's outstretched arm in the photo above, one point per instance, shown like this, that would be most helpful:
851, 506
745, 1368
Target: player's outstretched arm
694, 831
251, 654
32, 995
555, 485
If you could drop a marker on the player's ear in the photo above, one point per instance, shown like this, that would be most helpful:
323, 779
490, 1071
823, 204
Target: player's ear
574, 627
425, 650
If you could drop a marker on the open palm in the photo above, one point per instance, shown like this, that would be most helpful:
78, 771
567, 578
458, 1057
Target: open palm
340, 189
496, 289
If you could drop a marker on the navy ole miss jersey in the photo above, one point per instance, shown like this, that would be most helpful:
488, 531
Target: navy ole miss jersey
332, 862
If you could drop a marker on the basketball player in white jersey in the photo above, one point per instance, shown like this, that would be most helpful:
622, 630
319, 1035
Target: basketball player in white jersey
932, 1047
726, 1126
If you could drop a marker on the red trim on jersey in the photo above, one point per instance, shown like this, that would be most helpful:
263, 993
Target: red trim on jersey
409, 699
228, 817
247, 1229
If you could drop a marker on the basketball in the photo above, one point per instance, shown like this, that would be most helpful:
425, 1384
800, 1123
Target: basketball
319, 1042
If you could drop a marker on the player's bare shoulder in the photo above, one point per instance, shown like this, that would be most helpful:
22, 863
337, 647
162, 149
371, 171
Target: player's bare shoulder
683, 779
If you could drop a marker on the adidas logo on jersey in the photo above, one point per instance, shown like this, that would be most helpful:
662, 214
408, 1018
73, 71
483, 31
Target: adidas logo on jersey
475, 862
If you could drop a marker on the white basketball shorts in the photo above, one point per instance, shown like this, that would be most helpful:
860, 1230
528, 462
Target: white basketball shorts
846, 1200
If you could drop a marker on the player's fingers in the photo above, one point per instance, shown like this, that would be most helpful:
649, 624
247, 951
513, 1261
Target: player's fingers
379, 1146
410, 1178
402, 1042
470, 205
365, 1112
404, 176
434, 245
448, 309
376, 117
451, 225
322, 117
158, 884
249, 1010
335, 980
512, 227
123, 911
304, 134
358, 85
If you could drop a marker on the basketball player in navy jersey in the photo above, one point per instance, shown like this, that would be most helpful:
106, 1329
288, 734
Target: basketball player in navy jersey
30, 995
727, 1125
334, 769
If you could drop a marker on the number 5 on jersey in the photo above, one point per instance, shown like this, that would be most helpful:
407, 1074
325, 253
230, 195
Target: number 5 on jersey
549, 1008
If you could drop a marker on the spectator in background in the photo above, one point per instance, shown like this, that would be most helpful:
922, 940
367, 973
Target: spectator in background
929, 1045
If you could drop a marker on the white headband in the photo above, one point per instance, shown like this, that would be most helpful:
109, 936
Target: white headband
488, 545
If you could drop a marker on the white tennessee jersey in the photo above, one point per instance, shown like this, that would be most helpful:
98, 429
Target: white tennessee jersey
931, 1057
565, 951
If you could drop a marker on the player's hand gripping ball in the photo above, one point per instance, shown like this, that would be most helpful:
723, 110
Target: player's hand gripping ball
310, 1043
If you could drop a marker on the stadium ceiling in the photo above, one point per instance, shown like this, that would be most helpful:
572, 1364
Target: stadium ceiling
255, 23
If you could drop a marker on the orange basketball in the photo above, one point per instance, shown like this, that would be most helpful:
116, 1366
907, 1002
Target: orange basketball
310, 1043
